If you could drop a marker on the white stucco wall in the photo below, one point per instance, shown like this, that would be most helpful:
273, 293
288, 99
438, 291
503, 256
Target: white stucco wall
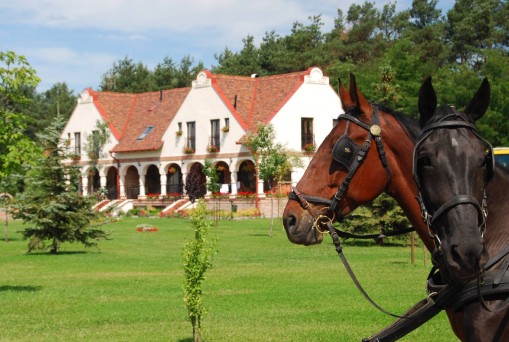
84, 120
314, 99
202, 105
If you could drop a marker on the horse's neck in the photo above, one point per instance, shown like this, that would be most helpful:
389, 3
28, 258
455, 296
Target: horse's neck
403, 188
405, 193
497, 226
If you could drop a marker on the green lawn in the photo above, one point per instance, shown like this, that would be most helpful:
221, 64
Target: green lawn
259, 289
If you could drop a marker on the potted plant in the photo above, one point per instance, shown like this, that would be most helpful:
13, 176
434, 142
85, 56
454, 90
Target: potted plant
309, 147
225, 129
188, 150
213, 149
172, 170
178, 133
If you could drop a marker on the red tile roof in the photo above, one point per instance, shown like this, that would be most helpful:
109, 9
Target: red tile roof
254, 100
250, 99
130, 114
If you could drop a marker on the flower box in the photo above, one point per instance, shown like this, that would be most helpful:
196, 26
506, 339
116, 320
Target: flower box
225, 129
213, 149
309, 147
178, 133
188, 150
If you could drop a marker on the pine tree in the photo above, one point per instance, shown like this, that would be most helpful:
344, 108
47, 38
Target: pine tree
51, 205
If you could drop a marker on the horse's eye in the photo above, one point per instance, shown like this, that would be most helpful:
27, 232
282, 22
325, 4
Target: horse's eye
423, 162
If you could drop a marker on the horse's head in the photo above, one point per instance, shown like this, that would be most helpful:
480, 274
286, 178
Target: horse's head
452, 165
350, 167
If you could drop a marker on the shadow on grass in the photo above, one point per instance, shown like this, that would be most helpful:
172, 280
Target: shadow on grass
57, 254
21, 288
190, 339
259, 235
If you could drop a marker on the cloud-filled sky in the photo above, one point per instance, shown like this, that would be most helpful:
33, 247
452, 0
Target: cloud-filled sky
78, 41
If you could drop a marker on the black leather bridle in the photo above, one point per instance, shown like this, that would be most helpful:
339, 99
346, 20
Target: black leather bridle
374, 133
454, 120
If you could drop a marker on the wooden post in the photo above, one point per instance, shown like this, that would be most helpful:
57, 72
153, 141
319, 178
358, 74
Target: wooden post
412, 247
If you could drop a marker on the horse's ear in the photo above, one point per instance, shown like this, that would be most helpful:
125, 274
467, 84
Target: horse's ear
358, 99
345, 98
480, 102
427, 101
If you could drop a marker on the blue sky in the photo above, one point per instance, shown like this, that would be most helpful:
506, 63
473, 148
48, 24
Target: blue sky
78, 41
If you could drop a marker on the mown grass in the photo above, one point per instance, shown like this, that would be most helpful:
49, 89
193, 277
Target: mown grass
260, 288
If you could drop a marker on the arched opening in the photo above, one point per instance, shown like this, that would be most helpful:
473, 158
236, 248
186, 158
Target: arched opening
112, 183
152, 180
224, 177
132, 183
94, 181
174, 183
246, 177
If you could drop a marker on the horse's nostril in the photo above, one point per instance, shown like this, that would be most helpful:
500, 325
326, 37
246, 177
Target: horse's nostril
456, 256
290, 221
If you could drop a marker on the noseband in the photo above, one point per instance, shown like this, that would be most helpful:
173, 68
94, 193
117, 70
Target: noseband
328, 214
454, 120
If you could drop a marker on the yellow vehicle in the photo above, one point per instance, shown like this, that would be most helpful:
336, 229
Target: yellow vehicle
502, 155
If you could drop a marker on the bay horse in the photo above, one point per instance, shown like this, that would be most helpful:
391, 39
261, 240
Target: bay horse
387, 169
466, 200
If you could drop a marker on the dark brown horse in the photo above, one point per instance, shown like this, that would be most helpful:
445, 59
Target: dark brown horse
454, 169
325, 175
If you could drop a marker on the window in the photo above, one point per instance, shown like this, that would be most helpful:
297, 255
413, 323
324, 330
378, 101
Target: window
214, 134
77, 143
191, 135
180, 126
226, 122
145, 132
307, 136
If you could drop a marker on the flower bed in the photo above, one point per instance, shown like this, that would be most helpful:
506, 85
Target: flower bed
245, 194
145, 227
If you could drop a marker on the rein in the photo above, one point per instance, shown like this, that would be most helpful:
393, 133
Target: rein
326, 216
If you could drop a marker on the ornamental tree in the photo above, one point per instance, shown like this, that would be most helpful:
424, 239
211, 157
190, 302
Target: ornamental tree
51, 206
197, 258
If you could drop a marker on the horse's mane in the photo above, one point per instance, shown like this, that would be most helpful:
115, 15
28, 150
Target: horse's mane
411, 125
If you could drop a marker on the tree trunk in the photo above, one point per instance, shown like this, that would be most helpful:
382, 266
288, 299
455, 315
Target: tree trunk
196, 333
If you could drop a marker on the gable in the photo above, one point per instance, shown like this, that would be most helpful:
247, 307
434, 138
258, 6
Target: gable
149, 118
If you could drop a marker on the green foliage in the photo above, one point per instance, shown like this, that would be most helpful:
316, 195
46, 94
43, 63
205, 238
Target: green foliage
382, 215
213, 175
95, 142
16, 80
197, 258
272, 160
59, 100
126, 76
51, 204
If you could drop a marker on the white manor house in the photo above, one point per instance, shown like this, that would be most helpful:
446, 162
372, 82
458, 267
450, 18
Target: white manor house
156, 137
